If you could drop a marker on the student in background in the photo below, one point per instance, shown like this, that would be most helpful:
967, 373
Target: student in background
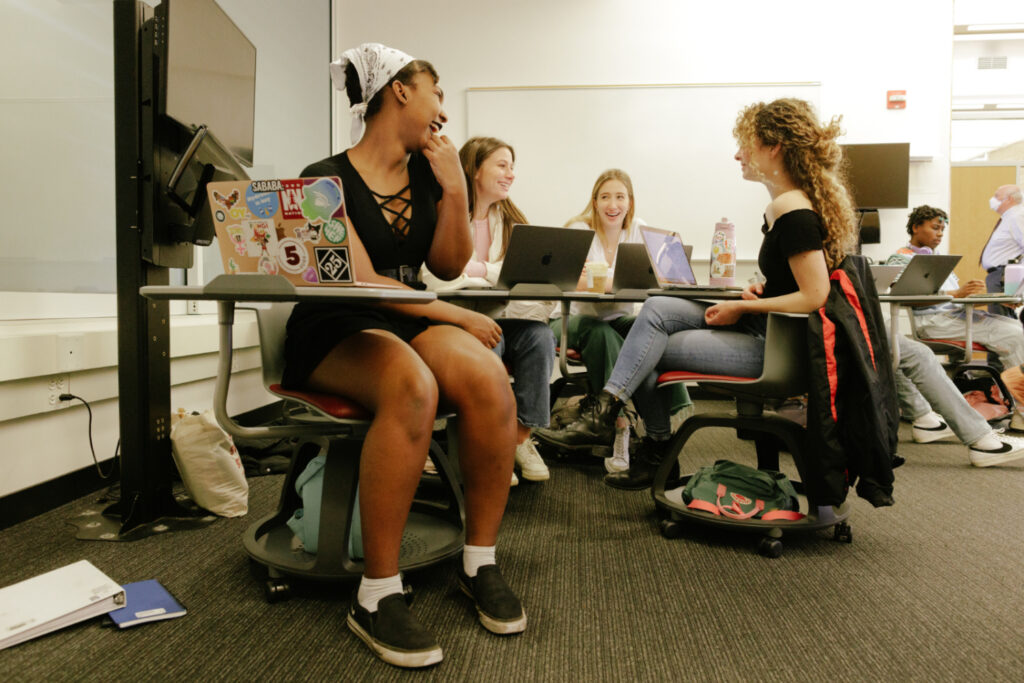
597, 330
809, 227
527, 345
406, 198
1003, 336
1006, 243
937, 410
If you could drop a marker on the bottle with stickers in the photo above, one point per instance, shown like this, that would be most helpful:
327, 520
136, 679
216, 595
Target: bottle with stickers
723, 255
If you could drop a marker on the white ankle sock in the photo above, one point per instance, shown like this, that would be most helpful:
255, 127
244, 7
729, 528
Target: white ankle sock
372, 590
476, 556
929, 421
989, 442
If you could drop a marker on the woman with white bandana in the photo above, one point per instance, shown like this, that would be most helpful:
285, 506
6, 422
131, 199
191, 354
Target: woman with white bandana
406, 198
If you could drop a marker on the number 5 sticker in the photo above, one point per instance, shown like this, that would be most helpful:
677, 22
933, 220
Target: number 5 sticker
292, 255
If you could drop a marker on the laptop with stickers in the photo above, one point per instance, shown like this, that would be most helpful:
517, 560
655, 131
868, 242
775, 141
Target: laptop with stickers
295, 228
670, 261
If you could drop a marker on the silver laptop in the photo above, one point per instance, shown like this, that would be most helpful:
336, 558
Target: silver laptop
633, 269
924, 275
884, 276
670, 261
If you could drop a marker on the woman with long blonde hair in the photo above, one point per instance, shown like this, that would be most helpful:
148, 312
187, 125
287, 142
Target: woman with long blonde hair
597, 330
527, 345
809, 226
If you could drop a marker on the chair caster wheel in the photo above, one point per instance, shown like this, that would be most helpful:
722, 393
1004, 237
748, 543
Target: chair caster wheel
276, 590
769, 547
843, 533
670, 528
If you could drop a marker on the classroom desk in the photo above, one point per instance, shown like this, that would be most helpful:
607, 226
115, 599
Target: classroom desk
895, 301
227, 290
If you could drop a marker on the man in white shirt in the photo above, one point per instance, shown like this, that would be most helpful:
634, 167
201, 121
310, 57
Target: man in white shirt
1006, 243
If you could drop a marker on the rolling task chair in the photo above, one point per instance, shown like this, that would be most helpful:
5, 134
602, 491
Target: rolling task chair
436, 526
784, 375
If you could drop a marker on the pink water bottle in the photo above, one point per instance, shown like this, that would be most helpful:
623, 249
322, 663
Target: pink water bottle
723, 255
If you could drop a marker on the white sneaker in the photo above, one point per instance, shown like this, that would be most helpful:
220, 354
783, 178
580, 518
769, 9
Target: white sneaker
619, 461
530, 463
515, 481
1012, 449
929, 434
1017, 422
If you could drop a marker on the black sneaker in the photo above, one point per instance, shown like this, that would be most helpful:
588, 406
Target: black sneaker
394, 633
497, 606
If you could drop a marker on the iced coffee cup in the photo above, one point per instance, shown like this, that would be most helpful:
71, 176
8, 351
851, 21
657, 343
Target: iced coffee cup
597, 274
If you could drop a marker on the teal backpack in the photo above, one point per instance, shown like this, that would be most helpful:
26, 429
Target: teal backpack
729, 489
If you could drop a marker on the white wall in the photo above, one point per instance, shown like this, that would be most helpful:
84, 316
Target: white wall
292, 129
857, 50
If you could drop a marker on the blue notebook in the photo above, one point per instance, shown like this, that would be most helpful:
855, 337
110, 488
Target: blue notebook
146, 601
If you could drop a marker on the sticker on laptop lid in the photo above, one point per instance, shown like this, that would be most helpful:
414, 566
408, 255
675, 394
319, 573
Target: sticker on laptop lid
332, 264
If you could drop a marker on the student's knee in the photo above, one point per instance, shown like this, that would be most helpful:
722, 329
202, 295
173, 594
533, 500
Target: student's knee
483, 382
409, 392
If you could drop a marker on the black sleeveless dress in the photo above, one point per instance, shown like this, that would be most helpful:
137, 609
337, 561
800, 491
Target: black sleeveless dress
316, 328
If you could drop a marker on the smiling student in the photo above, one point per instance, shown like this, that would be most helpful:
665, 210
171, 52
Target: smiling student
597, 330
527, 345
406, 198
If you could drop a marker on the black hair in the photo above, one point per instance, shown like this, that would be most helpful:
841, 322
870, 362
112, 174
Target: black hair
404, 75
923, 214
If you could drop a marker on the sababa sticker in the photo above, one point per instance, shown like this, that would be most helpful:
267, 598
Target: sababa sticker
332, 264
261, 197
321, 199
228, 201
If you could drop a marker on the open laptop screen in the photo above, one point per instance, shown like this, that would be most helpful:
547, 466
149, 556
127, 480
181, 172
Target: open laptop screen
668, 256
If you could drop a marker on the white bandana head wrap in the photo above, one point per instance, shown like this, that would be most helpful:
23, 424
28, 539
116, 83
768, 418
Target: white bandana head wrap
376, 64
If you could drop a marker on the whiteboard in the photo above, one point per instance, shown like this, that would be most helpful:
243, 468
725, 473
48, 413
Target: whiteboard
675, 142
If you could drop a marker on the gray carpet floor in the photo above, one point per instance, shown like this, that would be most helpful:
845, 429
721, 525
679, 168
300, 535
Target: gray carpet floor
929, 590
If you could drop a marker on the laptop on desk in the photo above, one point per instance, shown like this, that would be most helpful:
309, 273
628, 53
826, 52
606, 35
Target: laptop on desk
544, 260
670, 261
295, 228
924, 275
884, 276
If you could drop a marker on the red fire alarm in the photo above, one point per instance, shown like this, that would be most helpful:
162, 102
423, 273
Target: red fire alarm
896, 99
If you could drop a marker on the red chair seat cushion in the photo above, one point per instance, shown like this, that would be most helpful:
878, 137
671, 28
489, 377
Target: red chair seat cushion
571, 354
959, 343
337, 407
687, 376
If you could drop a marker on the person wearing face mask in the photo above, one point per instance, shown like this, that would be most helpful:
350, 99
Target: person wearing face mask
1006, 243
597, 330
406, 199
1003, 336
527, 345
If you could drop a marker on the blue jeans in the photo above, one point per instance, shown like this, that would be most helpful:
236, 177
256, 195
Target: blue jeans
670, 334
922, 386
528, 349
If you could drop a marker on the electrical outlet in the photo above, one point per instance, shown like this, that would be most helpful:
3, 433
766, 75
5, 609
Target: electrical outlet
57, 385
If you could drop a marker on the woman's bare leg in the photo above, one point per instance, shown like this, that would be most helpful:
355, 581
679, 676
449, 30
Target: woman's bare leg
384, 374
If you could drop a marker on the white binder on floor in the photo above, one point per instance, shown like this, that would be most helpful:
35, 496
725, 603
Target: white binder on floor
56, 599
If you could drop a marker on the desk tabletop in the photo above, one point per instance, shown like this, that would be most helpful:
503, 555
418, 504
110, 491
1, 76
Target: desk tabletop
256, 287
989, 299
550, 293
915, 298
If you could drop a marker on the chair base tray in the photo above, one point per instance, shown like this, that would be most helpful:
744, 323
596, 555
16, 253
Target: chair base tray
824, 517
427, 539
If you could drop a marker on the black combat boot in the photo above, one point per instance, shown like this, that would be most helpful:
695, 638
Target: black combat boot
594, 427
642, 466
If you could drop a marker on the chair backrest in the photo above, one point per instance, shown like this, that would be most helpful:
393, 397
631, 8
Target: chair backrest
271, 321
786, 362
